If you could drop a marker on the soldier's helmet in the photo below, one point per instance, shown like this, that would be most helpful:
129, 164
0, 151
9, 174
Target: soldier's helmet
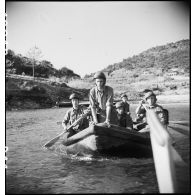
100, 75
74, 96
149, 94
119, 104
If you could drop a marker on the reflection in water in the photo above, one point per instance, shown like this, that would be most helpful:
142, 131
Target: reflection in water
34, 169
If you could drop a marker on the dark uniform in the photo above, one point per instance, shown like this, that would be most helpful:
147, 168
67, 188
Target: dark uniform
125, 105
124, 119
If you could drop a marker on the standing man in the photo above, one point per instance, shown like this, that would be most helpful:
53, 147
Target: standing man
101, 101
74, 114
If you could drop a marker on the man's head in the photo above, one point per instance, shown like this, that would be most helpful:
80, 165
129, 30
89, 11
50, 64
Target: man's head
120, 107
100, 79
124, 98
150, 98
75, 100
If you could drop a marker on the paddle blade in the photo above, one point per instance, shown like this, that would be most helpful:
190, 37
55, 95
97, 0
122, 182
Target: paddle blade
51, 142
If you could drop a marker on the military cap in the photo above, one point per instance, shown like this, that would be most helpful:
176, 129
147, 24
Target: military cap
74, 96
149, 94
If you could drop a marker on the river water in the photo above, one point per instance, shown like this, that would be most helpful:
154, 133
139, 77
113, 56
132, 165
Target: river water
31, 169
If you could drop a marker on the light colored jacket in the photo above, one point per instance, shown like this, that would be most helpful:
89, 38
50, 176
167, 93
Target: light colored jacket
101, 100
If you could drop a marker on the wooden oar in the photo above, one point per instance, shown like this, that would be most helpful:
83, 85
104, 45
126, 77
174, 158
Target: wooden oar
164, 154
55, 139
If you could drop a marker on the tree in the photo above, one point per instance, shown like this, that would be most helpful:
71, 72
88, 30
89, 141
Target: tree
46, 64
65, 71
10, 54
35, 55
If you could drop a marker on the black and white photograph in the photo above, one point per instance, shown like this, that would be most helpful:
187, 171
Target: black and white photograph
97, 97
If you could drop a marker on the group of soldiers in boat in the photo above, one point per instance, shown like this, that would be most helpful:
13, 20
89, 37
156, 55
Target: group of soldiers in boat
102, 109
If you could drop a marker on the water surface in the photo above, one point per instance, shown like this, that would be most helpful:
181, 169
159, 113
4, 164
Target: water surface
33, 169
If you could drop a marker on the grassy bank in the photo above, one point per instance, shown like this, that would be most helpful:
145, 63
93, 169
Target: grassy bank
23, 93
29, 93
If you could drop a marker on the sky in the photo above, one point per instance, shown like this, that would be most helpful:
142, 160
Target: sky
88, 36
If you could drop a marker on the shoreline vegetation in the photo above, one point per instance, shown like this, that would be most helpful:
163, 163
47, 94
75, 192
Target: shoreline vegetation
164, 69
23, 94
27, 93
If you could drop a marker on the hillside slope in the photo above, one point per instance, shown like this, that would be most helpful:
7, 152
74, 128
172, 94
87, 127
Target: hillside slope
165, 57
164, 69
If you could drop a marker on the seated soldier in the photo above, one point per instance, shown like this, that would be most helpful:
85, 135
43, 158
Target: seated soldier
125, 103
74, 114
124, 119
150, 99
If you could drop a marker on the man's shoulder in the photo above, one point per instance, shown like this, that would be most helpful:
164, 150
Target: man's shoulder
108, 88
92, 89
159, 107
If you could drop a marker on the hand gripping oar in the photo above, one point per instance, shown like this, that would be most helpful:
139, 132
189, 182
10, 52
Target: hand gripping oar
55, 139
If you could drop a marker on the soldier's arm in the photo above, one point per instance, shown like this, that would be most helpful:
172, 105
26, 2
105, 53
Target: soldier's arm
109, 105
93, 107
